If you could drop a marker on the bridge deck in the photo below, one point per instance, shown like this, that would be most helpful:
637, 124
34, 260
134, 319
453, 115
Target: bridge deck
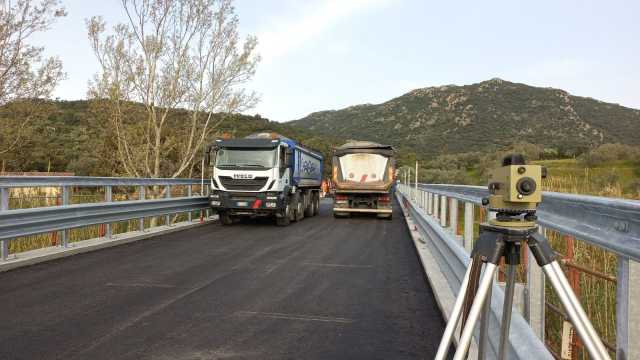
321, 289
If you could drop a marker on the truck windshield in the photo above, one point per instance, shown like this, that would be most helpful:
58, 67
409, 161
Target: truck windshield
246, 158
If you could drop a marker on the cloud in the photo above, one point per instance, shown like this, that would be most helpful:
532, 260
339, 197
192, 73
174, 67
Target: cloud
290, 32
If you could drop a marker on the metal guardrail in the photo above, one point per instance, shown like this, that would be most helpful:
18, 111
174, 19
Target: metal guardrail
41, 181
608, 223
453, 259
17, 223
613, 224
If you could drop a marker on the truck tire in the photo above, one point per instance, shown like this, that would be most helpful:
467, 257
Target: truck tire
309, 200
285, 220
225, 218
299, 208
316, 203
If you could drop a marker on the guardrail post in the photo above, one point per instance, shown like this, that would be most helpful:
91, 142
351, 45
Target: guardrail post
108, 197
434, 211
453, 216
189, 194
429, 203
627, 315
168, 216
535, 296
4, 206
468, 226
66, 234
142, 195
443, 211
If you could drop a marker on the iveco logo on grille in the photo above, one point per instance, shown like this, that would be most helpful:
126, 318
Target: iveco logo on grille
242, 176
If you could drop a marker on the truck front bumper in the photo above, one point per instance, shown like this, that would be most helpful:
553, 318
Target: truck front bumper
243, 203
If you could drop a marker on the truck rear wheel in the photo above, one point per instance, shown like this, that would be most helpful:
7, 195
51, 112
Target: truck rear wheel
300, 208
309, 200
315, 201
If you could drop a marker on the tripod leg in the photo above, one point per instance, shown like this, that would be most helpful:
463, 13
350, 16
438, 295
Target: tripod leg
578, 317
484, 327
506, 311
443, 349
474, 313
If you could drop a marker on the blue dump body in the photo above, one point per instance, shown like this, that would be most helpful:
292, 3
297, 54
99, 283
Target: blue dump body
307, 166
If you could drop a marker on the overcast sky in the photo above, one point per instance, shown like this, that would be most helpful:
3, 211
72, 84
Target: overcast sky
329, 54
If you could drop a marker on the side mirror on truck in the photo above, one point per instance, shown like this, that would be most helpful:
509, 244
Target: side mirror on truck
210, 155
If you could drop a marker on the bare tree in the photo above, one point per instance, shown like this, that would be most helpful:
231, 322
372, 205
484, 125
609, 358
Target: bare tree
171, 54
24, 73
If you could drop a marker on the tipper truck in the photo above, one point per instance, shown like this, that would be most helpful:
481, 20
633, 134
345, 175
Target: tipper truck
363, 176
264, 175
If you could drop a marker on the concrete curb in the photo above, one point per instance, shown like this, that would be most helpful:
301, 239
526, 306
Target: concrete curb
37, 256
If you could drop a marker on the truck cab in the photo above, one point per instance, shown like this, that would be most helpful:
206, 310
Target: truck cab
264, 175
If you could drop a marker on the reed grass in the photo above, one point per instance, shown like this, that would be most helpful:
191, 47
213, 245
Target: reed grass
598, 296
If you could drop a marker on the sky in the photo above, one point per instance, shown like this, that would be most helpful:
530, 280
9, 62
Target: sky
329, 54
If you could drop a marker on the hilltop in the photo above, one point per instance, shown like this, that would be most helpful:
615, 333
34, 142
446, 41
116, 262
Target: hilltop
482, 117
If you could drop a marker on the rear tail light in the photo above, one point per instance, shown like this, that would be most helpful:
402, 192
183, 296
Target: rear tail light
384, 198
341, 197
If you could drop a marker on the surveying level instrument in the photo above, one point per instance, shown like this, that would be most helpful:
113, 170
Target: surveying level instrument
514, 194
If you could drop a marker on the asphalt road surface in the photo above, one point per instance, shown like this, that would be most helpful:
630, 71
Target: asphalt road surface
322, 288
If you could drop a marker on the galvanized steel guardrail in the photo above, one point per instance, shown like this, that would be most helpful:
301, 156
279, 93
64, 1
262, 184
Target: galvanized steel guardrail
613, 224
453, 260
609, 223
17, 223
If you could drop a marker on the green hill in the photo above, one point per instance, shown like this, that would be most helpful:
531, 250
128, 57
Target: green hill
75, 136
482, 117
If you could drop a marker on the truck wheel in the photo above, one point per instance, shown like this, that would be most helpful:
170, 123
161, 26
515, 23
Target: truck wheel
285, 220
225, 218
309, 199
300, 209
316, 204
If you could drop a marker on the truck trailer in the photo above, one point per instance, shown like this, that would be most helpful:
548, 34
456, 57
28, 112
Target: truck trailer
264, 175
363, 176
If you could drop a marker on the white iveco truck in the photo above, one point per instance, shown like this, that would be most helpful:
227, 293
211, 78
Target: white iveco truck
264, 174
